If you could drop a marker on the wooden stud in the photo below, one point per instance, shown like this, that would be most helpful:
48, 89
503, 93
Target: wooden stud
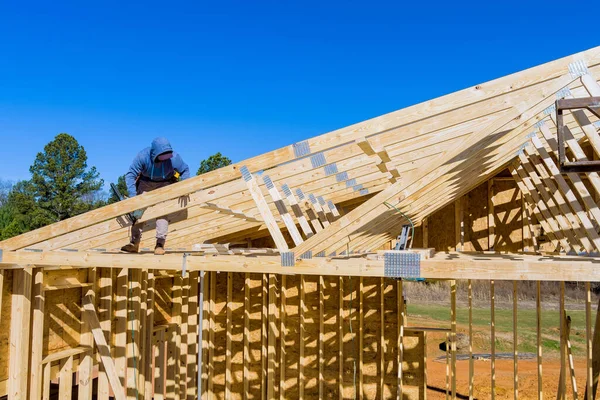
425, 226
211, 336
563, 344
321, 333
102, 346
515, 342
246, 335
282, 329
37, 334
471, 361
340, 336
46, 382
401, 317
381, 336
161, 366
119, 351
148, 356
361, 313
18, 369
491, 216
229, 326
596, 352
105, 316
86, 362
538, 311
570, 357
133, 337
65, 378
193, 325
453, 334
493, 337
301, 360
589, 395
272, 338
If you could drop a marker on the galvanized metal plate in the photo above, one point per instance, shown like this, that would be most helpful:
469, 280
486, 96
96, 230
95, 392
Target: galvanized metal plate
401, 265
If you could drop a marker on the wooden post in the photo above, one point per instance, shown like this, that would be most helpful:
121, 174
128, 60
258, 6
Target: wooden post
361, 314
453, 334
425, 226
102, 346
401, 314
119, 351
282, 330
381, 336
65, 378
86, 363
211, 337
471, 361
563, 344
37, 332
493, 337
321, 333
18, 369
105, 317
515, 343
272, 339
301, 310
589, 395
491, 216
229, 325
341, 338
246, 336
538, 308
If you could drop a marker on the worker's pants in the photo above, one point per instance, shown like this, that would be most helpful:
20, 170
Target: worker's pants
162, 224
162, 227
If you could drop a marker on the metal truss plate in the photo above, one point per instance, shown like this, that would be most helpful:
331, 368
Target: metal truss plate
401, 265
286, 190
301, 148
268, 182
341, 177
245, 173
312, 198
351, 182
356, 188
331, 169
578, 68
363, 192
287, 259
300, 194
320, 254
318, 160
307, 255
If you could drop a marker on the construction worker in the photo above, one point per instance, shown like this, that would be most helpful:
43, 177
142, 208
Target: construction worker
154, 167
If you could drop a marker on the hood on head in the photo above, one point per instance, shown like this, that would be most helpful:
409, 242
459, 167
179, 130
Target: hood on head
159, 146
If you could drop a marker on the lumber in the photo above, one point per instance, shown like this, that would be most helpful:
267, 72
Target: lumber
283, 211
18, 369
86, 362
264, 211
493, 338
105, 316
37, 332
102, 346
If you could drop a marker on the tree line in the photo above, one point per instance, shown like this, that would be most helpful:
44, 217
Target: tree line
62, 186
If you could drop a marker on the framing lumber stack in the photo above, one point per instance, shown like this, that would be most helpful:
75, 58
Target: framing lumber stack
272, 270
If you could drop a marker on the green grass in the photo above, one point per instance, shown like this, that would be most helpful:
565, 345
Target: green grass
526, 326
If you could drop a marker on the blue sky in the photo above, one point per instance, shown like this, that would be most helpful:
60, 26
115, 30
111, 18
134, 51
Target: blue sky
247, 77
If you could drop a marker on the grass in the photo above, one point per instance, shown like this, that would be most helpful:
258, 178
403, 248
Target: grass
439, 315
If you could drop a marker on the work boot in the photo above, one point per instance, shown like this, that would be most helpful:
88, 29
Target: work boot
159, 250
131, 248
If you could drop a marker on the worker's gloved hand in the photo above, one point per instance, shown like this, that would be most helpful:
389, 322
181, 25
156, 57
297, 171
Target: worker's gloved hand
137, 214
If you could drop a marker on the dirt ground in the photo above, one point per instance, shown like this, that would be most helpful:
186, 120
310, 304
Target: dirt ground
527, 372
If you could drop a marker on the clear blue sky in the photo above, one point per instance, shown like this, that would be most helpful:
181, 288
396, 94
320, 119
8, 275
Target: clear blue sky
247, 77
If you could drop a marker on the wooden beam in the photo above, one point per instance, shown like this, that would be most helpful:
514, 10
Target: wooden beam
283, 211
297, 210
18, 368
264, 211
102, 346
37, 332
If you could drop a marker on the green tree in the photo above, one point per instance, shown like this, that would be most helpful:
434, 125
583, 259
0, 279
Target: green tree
21, 211
122, 186
213, 162
61, 179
